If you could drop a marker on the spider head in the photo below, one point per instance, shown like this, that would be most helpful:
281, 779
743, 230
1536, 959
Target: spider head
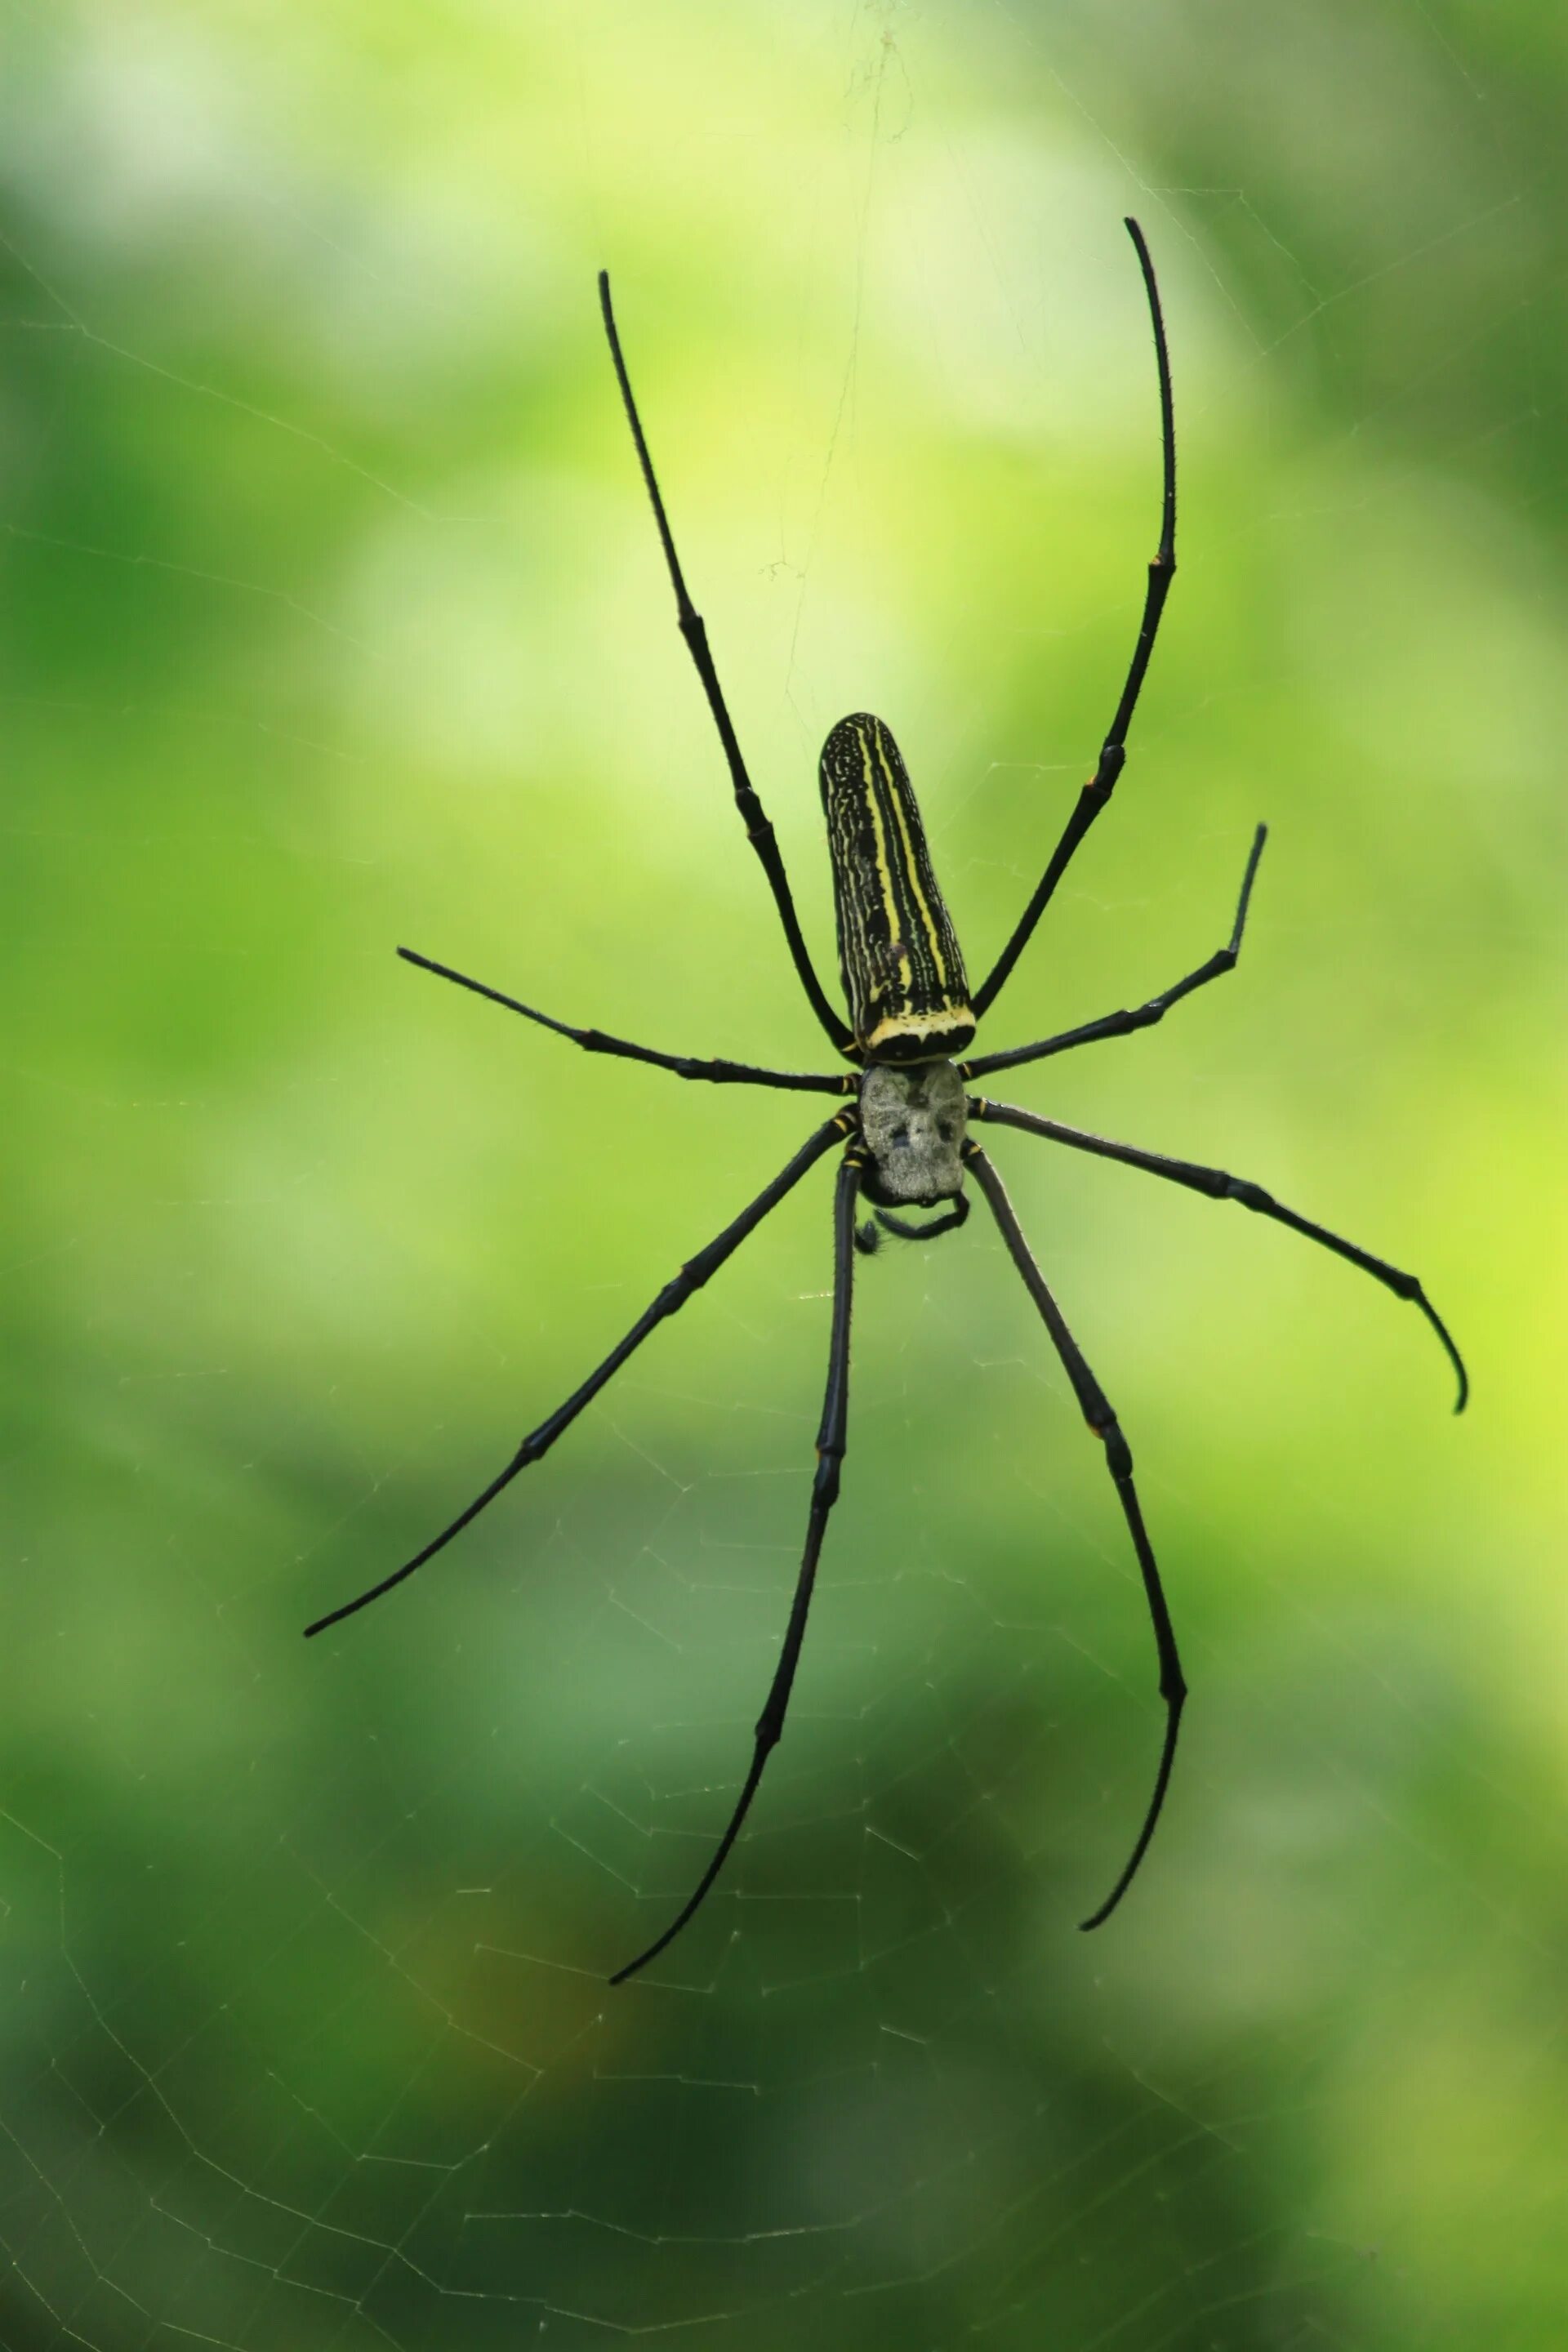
912, 1123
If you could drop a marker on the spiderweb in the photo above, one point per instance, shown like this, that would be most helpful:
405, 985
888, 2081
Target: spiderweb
336, 621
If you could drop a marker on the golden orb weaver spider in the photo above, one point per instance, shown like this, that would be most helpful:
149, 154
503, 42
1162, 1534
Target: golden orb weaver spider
904, 1137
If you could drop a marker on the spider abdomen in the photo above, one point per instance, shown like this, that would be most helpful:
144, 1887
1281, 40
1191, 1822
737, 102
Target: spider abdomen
899, 955
912, 1119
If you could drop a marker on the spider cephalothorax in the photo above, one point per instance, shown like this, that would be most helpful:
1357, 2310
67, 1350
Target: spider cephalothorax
913, 1117
905, 1140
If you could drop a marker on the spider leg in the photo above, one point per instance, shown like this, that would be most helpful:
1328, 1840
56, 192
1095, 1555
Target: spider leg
830, 1448
1218, 1186
1102, 1420
1143, 1016
758, 831
1113, 752
597, 1041
671, 1298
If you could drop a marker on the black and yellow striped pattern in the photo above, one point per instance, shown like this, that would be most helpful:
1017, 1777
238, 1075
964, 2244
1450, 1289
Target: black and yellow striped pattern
903, 972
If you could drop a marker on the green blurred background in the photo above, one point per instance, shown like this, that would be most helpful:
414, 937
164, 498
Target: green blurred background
335, 619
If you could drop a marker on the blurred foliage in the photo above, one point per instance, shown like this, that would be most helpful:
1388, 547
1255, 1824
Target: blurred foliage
336, 619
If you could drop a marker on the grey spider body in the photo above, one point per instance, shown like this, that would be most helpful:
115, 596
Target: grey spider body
914, 1121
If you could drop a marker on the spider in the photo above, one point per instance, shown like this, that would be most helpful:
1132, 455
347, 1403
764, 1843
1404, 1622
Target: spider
902, 1137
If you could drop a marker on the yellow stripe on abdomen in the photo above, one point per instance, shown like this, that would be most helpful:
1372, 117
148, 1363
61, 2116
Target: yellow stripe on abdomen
899, 955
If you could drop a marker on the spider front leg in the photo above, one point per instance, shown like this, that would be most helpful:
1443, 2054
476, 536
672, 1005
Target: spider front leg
1097, 1413
670, 1300
1217, 1185
1142, 1016
830, 1448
